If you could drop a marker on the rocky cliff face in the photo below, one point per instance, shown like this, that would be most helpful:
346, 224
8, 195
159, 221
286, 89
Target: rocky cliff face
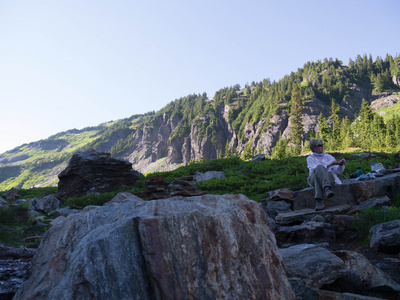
154, 142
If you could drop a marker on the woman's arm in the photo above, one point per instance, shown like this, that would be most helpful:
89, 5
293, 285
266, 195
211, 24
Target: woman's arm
336, 166
311, 163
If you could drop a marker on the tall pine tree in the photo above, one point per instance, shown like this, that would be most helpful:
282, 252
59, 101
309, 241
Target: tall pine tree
324, 130
335, 119
296, 111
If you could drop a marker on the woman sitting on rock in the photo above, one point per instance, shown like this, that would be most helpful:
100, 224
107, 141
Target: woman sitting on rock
323, 172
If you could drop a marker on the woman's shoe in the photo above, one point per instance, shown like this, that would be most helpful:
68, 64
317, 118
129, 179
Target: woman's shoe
329, 193
319, 204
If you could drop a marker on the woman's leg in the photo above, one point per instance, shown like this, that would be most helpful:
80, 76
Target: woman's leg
319, 180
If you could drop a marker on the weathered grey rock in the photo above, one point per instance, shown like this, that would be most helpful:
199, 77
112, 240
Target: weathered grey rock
280, 194
11, 195
385, 99
271, 223
350, 296
94, 172
305, 292
302, 290
18, 202
258, 157
3, 202
12, 274
57, 220
185, 186
305, 197
316, 265
351, 192
14, 269
299, 216
319, 218
396, 80
344, 220
205, 247
388, 185
21, 252
208, 175
360, 272
307, 232
66, 211
385, 237
375, 202
273, 208
46, 203
390, 266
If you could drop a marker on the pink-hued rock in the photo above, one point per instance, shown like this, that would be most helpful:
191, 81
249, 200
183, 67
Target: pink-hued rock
204, 247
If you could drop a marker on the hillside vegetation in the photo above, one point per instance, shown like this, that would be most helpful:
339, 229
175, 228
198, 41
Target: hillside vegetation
253, 179
232, 123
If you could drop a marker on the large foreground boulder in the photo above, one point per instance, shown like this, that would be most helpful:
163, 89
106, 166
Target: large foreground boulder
94, 172
203, 247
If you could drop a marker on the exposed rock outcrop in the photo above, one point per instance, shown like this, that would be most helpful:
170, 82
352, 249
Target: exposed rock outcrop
158, 188
14, 269
396, 80
312, 263
154, 142
45, 204
94, 172
351, 192
385, 237
206, 247
12, 195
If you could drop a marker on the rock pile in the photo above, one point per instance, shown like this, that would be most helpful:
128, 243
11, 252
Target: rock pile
11, 195
15, 262
158, 188
316, 246
94, 172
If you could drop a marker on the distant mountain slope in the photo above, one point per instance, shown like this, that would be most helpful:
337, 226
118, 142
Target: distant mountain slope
197, 127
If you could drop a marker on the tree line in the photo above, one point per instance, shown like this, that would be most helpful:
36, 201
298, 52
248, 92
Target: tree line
328, 79
369, 131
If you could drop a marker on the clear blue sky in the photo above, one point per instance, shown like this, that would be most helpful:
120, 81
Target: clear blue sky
71, 64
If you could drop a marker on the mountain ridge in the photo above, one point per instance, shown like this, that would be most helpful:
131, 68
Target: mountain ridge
197, 127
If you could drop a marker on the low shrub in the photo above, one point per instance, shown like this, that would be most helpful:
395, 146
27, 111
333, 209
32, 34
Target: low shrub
37, 192
81, 202
371, 217
100, 199
15, 215
396, 200
14, 235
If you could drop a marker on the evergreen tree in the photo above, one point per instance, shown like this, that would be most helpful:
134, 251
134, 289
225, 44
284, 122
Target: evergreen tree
364, 130
324, 130
345, 133
396, 121
378, 130
296, 111
390, 134
281, 148
228, 150
378, 82
247, 153
335, 119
